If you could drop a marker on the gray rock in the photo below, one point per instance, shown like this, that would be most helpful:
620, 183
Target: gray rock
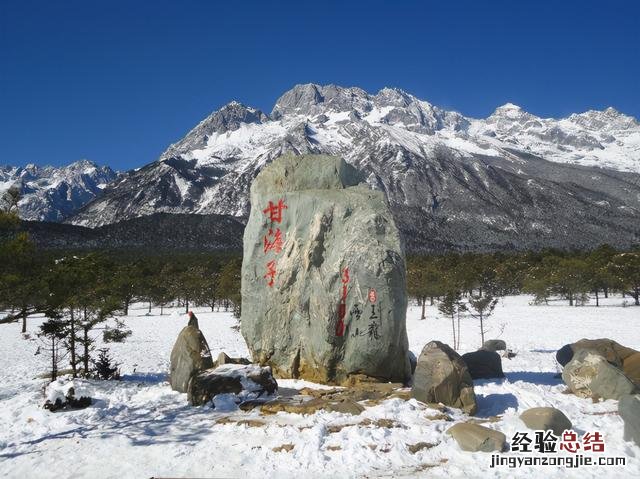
612, 351
476, 438
546, 418
223, 358
589, 374
629, 410
483, 364
314, 237
190, 354
442, 376
230, 378
494, 345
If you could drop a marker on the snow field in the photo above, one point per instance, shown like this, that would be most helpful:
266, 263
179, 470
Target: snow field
139, 427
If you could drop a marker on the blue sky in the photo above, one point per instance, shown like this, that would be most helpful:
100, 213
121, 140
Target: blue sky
117, 82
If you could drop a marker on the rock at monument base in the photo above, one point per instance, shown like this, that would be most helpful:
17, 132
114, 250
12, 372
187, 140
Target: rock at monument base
629, 410
323, 275
190, 354
62, 395
475, 438
546, 418
483, 364
589, 374
494, 345
223, 358
612, 351
246, 381
442, 377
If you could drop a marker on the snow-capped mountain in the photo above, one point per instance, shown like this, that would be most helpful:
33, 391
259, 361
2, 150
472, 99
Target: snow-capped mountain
510, 180
51, 194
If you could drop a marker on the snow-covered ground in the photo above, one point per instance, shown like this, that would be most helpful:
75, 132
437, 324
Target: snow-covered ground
139, 427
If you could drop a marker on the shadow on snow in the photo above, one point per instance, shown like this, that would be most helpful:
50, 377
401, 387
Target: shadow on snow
538, 378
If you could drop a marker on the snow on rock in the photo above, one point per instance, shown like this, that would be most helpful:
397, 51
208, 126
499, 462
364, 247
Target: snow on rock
59, 389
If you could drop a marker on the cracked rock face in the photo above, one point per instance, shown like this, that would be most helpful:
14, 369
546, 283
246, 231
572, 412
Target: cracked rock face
589, 374
442, 376
323, 275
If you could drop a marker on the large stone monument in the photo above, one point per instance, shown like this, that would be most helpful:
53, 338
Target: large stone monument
323, 275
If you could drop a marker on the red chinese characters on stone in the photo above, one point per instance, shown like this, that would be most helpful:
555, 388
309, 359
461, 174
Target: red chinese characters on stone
274, 244
273, 240
275, 211
271, 273
342, 306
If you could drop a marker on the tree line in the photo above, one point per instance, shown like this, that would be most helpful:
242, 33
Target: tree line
578, 276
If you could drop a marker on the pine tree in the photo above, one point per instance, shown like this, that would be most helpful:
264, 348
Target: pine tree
229, 285
625, 267
104, 367
51, 333
481, 308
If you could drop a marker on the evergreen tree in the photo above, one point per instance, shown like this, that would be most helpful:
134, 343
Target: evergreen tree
23, 287
52, 332
481, 308
625, 268
229, 285
451, 306
424, 280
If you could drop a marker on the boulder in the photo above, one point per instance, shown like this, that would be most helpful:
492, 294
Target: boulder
190, 355
629, 410
223, 358
631, 367
61, 395
483, 364
613, 352
475, 438
246, 381
546, 418
589, 374
323, 275
442, 377
494, 345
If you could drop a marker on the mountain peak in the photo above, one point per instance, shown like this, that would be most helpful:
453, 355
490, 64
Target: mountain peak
311, 99
394, 97
228, 118
236, 106
510, 112
81, 165
231, 115
608, 119
509, 107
